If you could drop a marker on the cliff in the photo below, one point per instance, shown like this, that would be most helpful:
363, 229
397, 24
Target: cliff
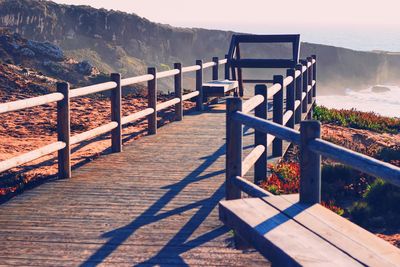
117, 41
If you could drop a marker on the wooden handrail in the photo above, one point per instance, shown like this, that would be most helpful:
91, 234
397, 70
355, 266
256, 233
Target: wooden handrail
287, 81
208, 65
190, 68
30, 156
223, 61
251, 158
190, 95
93, 133
252, 103
92, 89
265, 126
273, 90
30, 102
167, 73
168, 103
356, 160
137, 116
138, 79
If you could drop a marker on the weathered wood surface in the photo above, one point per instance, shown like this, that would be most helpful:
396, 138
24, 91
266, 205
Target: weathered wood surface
154, 203
292, 234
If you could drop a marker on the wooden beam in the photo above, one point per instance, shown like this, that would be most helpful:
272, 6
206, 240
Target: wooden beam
199, 85
234, 147
30, 102
277, 144
260, 138
215, 69
299, 92
116, 113
31, 155
92, 89
178, 92
310, 163
64, 131
290, 97
152, 101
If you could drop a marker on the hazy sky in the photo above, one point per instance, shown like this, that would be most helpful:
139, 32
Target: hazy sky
243, 15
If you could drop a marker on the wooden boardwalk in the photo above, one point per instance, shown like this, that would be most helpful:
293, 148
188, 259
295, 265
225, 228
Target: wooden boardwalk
153, 204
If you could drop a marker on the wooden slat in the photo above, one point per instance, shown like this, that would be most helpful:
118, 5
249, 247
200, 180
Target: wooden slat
167, 73
223, 61
138, 79
363, 163
286, 117
136, 116
190, 68
345, 235
251, 158
208, 65
190, 95
30, 156
92, 89
168, 103
278, 238
93, 133
268, 127
273, 90
252, 103
287, 81
30, 102
297, 104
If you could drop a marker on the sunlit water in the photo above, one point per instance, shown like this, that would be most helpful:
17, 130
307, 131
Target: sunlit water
385, 103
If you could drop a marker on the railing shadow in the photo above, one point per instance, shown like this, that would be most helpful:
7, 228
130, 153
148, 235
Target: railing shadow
172, 250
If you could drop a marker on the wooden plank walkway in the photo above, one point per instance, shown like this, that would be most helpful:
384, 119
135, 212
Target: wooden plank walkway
153, 204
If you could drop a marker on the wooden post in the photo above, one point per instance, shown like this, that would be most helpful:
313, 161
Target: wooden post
290, 97
178, 92
260, 138
305, 83
299, 90
310, 163
152, 101
116, 110
310, 79
234, 133
199, 85
226, 68
64, 131
277, 144
215, 69
315, 75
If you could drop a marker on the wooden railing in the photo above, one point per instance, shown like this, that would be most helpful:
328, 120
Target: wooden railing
312, 147
64, 94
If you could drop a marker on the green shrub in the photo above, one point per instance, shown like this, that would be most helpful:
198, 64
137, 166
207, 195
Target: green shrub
379, 206
357, 119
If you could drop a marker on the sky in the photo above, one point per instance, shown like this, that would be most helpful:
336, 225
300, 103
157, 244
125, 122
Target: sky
356, 24
230, 14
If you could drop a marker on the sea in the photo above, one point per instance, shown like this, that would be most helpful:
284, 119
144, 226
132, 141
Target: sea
383, 103
360, 39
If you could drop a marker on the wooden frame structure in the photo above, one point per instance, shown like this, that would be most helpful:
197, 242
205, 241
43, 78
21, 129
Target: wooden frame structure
236, 62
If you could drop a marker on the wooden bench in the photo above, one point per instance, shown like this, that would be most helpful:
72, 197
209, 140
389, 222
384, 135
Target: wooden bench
219, 88
292, 234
